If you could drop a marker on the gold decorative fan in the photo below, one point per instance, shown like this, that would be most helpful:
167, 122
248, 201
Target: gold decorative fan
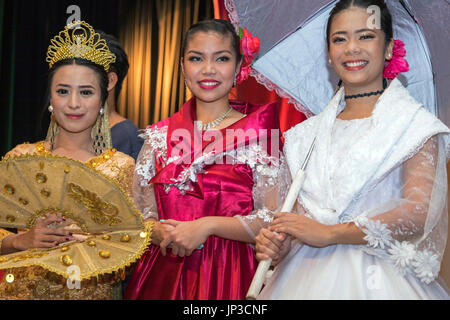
95, 206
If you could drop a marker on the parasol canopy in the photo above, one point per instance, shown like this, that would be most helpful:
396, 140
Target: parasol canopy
293, 59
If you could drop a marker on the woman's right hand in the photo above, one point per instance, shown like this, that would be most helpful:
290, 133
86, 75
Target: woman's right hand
272, 245
41, 236
160, 231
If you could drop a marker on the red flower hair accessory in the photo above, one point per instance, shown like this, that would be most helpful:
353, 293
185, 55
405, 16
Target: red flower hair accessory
397, 64
249, 48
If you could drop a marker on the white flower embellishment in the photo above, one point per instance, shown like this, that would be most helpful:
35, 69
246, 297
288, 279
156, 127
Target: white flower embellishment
426, 266
402, 253
378, 235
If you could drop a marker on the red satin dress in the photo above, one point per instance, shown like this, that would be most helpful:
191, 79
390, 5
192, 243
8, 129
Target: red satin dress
223, 269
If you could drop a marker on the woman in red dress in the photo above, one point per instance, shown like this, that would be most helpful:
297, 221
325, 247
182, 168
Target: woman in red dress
209, 176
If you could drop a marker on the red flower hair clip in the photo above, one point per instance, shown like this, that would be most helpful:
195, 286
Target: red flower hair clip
249, 48
397, 64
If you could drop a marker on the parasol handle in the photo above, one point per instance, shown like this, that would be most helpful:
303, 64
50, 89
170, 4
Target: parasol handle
294, 190
263, 266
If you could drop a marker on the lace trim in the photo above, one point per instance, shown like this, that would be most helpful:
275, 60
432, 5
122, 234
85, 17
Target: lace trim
260, 78
405, 256
254, 156
264, 214
232, 14
182, 182
156, 138
155, 142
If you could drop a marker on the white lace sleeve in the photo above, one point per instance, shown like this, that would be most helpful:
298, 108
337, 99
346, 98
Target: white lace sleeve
412, 233
269, 191
143, 192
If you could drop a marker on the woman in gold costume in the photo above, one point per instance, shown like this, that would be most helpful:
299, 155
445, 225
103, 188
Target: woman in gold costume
77, 92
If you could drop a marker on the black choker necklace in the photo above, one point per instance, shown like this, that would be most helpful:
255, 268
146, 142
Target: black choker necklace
368, 94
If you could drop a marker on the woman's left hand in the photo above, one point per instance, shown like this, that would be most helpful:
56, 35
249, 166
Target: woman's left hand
186, 237
305, 229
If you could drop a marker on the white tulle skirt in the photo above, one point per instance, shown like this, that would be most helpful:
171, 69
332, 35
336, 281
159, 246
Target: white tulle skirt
344, 272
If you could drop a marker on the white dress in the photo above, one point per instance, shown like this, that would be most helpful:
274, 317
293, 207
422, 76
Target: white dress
391, 266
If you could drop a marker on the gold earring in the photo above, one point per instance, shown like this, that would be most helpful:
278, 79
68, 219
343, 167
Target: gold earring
52, 132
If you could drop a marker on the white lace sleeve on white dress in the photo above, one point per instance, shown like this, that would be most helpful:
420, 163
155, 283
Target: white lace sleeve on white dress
143, 192
411, 231
269, 191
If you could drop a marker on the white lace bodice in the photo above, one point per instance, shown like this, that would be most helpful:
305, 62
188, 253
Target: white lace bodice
345, 134
386, 173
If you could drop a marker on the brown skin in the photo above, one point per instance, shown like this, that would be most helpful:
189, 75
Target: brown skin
75, 90
40, 236
211, 56
350, 40
208, 56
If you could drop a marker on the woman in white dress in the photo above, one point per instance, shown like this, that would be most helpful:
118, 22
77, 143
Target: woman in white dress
373, 208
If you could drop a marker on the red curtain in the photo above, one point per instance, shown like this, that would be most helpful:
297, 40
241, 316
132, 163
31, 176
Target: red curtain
251, 90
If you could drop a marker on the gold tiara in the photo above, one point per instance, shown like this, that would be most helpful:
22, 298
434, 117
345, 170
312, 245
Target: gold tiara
79, 40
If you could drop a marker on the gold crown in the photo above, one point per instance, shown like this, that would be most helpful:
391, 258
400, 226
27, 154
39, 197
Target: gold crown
79, 40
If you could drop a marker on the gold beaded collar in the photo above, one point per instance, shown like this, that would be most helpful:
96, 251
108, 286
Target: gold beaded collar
93, 162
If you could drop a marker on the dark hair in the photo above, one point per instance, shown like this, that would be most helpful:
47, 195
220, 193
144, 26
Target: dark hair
219, 26
386, 18
99, 70
121, 66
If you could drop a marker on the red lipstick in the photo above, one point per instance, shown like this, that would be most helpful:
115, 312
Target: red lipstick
208, 84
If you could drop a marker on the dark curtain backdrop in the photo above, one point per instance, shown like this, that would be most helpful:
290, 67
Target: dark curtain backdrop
26, 28
151, 33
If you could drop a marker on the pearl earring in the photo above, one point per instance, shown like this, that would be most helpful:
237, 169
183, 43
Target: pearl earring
102, 111
50, 109
329, 61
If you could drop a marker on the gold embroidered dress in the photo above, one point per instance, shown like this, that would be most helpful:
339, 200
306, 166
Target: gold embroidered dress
36, 282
